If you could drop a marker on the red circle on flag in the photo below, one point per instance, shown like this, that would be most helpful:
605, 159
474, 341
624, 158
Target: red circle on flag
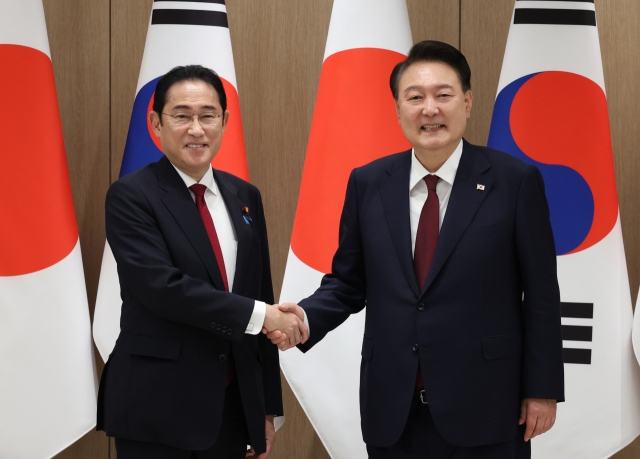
354, 122
38, 225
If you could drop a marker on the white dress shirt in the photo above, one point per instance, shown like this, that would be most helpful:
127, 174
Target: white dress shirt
418, 188
227, 237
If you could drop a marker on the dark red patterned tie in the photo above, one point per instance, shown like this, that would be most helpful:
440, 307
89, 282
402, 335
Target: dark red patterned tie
199, 190
426, 241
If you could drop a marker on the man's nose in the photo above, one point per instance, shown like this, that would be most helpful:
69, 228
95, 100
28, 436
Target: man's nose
430, 106
195, 128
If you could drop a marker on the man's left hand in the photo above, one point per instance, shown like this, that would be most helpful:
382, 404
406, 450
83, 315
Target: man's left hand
270, 434
539, 414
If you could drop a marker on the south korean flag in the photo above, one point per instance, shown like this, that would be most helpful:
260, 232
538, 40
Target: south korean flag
551, 111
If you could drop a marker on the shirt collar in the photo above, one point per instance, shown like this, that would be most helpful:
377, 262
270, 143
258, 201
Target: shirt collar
207, 179
447, 171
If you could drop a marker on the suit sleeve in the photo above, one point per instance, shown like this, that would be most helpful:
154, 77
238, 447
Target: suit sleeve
542, 365
342, 292
268, 351
144, 262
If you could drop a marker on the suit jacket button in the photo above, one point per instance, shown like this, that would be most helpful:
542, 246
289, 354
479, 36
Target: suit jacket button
421, 307
213, 325
415, 348
222, 357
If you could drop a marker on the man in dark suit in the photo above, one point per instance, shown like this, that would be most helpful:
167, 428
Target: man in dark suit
450, 247
190, 375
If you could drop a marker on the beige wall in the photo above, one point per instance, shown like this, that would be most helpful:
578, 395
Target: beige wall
97, 47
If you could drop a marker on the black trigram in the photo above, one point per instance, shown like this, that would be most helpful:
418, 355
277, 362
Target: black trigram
190, 17
555, 16
577, 332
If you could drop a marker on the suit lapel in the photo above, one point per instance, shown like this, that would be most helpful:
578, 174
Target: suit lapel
244, 234
464, 202
180, 204
394, 191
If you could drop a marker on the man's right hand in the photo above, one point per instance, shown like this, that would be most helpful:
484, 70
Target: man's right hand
284, 326
279, 337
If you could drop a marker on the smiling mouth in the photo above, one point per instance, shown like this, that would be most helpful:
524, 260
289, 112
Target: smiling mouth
431, 127
195, 145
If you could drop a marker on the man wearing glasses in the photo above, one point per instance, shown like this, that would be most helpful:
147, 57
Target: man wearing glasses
191, 376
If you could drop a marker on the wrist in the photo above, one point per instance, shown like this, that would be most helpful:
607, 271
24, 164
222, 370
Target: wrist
270, 316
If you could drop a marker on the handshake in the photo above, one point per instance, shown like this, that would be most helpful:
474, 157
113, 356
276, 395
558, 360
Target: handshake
284, 325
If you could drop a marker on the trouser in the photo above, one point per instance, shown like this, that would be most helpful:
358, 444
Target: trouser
231, 442
420, 439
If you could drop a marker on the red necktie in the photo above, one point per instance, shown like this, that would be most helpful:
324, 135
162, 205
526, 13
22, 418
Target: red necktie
426, 241
427, 234
199, 190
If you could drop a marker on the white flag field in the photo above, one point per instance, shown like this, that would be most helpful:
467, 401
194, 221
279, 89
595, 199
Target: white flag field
47, 369
551, 111
179, 33
358, 59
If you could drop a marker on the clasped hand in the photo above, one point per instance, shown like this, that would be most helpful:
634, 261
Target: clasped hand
284, 325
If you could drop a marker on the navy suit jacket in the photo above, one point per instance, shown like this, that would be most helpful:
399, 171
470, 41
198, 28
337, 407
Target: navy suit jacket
482, 345
165, 379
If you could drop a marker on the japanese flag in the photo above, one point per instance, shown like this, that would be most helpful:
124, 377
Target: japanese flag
367, 38
47, 368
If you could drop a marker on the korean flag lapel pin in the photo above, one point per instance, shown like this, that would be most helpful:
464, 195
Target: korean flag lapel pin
480, 187
245, 215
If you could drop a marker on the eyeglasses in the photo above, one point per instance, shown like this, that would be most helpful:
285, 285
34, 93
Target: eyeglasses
205, 119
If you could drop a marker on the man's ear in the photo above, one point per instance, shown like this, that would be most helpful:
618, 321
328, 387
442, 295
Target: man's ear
468, 102
225, 119
154, 120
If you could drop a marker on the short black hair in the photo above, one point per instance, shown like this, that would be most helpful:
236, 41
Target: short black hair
433, 51
187, 73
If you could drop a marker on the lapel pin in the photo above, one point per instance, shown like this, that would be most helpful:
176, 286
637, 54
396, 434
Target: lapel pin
480, 187
245, 215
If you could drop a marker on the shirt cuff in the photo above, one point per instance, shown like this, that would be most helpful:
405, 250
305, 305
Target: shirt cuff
256, 321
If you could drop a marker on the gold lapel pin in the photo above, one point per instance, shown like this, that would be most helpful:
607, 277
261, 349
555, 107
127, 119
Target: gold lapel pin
480, 187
